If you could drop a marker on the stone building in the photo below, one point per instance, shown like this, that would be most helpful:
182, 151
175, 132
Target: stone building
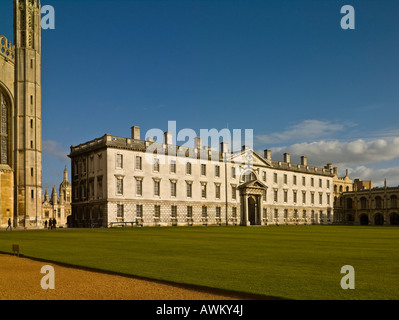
118, 179
371, 206
20, 115
58, 207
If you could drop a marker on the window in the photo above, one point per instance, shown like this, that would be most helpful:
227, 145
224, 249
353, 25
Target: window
156, 165
312, 182
320, 198
233, 172
32, 194
303, 197
234, 212
139, 210
173, 166
99, 187
320, 183
218, 212
203, 190
265, 195
156, 188
174, 211
119, 185
328, 184
217, 191
285, 179
189, 190
204, 212
328, 198
188, 168
312, 198
234, 192
294, 196
304, 214
264, 176
119, 161
189, 212
31, 172
157, 211
139, 187
139, 163
203, 169
31, 124
275, 213
363, 203
264, 213
294, 180
173, 188
275, 177
119, 210
295, 214
285, 213
275, 195
217, 171
285, 195
303, 181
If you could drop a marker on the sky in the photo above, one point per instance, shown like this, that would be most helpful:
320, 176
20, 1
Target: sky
284, 68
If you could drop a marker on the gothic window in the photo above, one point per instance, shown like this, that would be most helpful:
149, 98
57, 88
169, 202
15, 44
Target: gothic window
4, 130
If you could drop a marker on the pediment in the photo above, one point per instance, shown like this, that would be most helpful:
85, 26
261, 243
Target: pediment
250, 157
253, 184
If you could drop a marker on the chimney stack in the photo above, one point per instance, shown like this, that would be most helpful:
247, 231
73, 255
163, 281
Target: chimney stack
135, 133
224, 147
287, 157
198, 142
304, 161
267, 154
167, 138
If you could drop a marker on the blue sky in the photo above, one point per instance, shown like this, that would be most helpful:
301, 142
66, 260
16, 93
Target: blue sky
284, 68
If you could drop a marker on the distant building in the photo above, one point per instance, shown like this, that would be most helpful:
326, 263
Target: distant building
58, 207
115, 179
371, 206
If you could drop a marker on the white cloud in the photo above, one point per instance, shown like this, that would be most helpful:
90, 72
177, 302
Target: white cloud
340, 153
376, 175
53, 149
307, 129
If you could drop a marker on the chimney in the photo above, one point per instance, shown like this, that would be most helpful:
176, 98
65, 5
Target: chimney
267, 154
198, 142
329, 166
167, 138
135, 133
335, 170
287, 157
224, 147
304, 161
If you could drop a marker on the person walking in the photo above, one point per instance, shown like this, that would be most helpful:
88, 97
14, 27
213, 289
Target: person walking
54, 223
50, 224
45, 224
9, 224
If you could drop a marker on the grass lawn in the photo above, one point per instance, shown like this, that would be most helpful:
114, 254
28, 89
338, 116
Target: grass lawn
294, 262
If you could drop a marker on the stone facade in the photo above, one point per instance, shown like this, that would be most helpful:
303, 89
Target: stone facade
20, 134
118, 179
371, 206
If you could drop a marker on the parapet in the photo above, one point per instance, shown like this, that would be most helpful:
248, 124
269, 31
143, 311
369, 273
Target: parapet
7, 50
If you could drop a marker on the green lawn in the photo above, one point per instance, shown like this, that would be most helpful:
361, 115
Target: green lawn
295, 262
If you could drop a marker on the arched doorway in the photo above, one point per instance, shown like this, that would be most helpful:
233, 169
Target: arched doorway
364, 220
394, 218
378, 219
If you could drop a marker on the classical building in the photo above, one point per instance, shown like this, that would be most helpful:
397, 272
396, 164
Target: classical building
119, 180
20, 112
58, 207
371, 206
